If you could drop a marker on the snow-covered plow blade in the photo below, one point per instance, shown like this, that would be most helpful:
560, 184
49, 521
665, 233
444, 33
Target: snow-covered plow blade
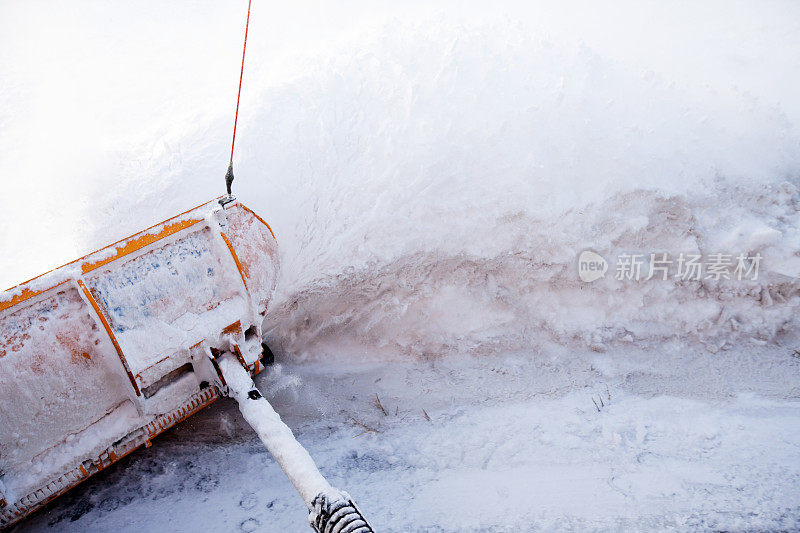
101, 355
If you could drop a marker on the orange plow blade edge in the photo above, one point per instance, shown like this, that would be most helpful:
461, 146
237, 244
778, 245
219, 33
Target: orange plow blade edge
99, 356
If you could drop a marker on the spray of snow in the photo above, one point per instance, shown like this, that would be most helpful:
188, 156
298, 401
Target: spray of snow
463, 163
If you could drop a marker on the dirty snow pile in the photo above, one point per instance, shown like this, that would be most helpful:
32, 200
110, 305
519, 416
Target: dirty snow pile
432, 173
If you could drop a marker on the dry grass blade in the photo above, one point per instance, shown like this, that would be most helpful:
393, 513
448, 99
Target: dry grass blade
364, 426
379, 405
424, 412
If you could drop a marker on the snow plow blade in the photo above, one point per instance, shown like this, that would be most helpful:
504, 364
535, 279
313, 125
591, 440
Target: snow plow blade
99, 356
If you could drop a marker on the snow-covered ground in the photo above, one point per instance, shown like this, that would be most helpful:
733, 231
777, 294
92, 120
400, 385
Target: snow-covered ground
432, 172
514, 443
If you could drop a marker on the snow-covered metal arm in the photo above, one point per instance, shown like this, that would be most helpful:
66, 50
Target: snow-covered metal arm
330, 509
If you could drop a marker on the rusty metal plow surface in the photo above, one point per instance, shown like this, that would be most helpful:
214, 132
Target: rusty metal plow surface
101, 355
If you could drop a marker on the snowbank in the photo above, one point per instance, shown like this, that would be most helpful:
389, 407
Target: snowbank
420, 162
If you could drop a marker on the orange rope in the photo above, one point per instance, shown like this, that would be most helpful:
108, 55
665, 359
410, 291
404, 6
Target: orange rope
241, 74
